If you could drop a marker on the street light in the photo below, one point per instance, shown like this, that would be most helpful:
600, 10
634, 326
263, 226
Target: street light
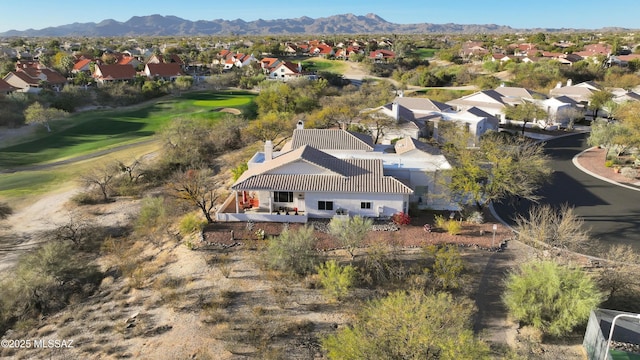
495, 227
613, 324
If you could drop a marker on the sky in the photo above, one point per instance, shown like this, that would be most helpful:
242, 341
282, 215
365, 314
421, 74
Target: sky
577, 14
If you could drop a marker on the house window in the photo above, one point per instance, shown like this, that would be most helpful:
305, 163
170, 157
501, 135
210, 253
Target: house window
365, 205
283, 196
325, 205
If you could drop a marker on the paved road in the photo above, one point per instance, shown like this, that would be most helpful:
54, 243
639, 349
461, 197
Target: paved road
611, 212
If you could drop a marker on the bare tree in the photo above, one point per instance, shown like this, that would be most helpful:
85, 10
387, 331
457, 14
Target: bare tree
197, 187
554, 227
101, 178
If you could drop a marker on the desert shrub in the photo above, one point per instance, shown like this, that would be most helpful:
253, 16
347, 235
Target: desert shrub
409, 325
550, 297
439, 221
191, 223
447, 266
86, 198
629, 172
293, 251
453, 227
555, 227
476, 217
401, 218
335, 279
152, 214
350, 232
608, 163
44, 280
5, 210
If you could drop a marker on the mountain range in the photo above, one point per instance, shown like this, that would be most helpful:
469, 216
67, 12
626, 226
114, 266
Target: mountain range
158, 25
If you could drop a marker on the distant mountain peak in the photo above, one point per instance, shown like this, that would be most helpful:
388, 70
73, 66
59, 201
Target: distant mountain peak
159, 25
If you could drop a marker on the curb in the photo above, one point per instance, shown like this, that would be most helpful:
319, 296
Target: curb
581, 168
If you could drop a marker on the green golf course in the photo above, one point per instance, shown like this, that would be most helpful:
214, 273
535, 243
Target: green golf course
95, 131
92, 131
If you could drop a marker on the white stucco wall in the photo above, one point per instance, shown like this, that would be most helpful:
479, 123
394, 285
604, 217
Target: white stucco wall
388, 204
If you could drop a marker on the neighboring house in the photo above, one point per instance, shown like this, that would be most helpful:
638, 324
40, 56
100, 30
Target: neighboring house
159, 59
166, 71
128, 60
321, 173
623, 96
559, 109
382, 55
580, 93
6, 88
622, 60
32, 79
473, 48
82, 65
104, 73
285, 71
489, 101
473, 120
412, 115
322, 50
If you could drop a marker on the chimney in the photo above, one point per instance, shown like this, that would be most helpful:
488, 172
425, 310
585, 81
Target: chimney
569, 82
559, 85
268, 150
299, 67
395, 110
300, 125
501, 84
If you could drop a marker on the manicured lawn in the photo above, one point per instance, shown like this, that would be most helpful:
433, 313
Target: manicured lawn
25, 184
424, 53
318, 64
98, 130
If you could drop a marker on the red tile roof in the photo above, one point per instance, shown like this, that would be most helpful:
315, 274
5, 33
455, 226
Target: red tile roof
81, 64
164, 69
115, 72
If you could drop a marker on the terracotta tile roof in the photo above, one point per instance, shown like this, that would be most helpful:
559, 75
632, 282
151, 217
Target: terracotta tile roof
164, 69
344, 176
115, 72
53, 77
6, 87
331, 139
81, 64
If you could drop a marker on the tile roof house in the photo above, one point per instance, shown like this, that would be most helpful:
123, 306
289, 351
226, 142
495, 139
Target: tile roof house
104, 73
580, 93
322, 173
167, 71
382, 55
82, 65
6, 88
285, 71
32, 79
412, 115
495, 101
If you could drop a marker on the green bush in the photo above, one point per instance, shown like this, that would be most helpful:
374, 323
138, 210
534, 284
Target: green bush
447, 267
608, 163
191, 223
439, 221
550, 297
453, 227
335, 279
152, 214
409, 325
293, 251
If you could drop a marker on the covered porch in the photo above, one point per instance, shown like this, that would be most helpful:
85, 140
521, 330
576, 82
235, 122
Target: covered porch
262, 206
